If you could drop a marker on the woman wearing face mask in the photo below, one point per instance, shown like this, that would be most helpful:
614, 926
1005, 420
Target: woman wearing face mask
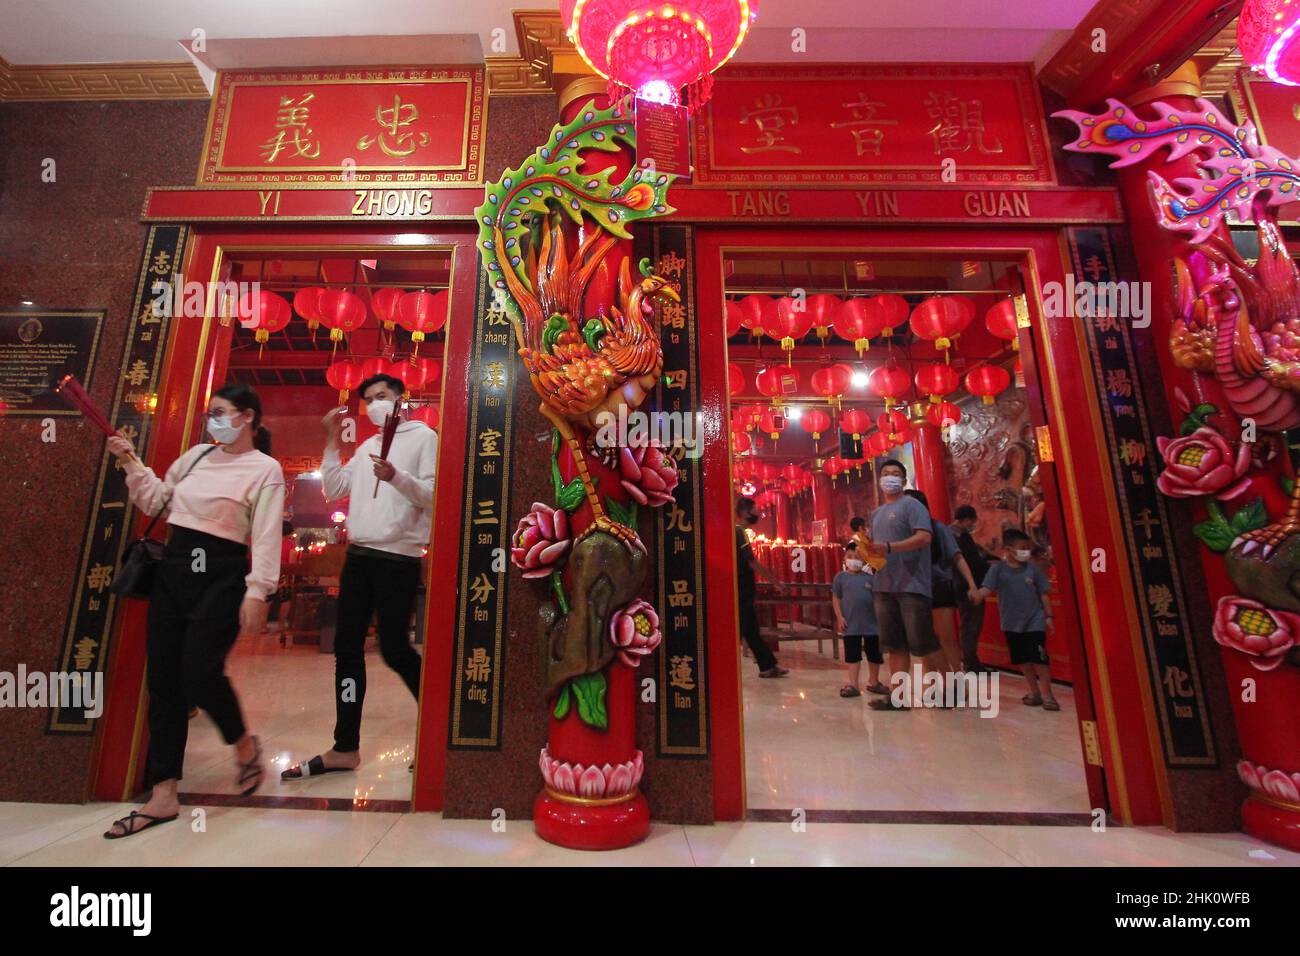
223, 503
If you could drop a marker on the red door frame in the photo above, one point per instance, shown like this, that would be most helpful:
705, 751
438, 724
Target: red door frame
191, 363
1106, 658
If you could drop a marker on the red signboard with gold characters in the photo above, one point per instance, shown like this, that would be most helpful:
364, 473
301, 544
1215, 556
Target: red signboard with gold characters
346, 126
873, 124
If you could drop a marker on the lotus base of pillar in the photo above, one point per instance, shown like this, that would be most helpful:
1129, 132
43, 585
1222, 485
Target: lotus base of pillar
591, 825
1272, 823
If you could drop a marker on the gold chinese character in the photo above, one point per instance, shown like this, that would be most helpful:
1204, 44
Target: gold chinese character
481, 589
487, 512
677, 520
1118, 382
478, 666
1094, 267
291, 118
488, 439
391, 121
681, 675
99, 577
681, 596
959, 125
1161, 598
1132, 452
865, 124
494, 375
161, 263
84, 653
670, 265
770, 117
138, 373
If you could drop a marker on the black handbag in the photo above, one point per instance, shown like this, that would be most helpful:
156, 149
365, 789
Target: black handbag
140, 561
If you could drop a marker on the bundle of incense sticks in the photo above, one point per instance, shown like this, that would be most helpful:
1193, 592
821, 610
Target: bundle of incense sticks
386, 440
76, 396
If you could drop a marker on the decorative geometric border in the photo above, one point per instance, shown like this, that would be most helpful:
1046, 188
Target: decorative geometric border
101, 81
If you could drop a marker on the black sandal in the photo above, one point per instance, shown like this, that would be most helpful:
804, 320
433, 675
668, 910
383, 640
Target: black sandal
314, 768
886, 703
251, 771
848, 690
127, 823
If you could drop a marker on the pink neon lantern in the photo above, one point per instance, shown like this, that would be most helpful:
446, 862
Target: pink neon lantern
658, 49
1268, 35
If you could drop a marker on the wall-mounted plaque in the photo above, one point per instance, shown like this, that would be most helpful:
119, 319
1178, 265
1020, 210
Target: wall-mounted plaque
37, 348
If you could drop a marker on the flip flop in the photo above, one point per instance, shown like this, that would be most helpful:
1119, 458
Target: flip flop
1032, 700
886, 703
878, 688
1051, 705
130, 829
251, 773
849, 691
314, 767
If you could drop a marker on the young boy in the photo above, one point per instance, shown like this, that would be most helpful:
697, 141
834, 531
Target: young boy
855, 618
1020, 587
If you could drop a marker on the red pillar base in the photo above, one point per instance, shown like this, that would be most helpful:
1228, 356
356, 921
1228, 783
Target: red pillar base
591, 826
1272, 823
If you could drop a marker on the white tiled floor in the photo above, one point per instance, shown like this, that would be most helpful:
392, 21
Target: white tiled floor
61, 835
805, 746
287, 698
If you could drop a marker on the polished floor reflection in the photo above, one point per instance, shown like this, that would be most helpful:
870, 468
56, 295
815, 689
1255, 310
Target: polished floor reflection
807, 747
287, 696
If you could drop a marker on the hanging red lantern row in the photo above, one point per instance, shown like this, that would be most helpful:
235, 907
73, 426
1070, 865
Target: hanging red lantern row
776, 382
423, 313
306, 302
937, 381
793, 322
735, 379
831, 382
345, 375
734, 318
1001, 322
758, 312
855, 422
815, 421
341, 312
940, 319
889, 382
264, 313
821, 309
987, 381
383, 302
858, 321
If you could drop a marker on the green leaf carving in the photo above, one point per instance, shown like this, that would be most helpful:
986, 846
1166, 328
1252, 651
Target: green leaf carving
624, 516
590, 691
571, 495
562, 703
1249, 518
1215, 536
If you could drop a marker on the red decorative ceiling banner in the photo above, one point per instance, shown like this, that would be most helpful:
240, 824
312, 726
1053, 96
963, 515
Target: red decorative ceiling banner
888, 123
1272, 107
359, 127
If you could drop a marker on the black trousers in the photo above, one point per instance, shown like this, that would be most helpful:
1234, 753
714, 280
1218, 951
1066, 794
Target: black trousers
972, 622
749, 632
371, 584
193, 623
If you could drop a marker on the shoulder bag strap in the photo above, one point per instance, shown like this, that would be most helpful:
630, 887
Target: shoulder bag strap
167, 504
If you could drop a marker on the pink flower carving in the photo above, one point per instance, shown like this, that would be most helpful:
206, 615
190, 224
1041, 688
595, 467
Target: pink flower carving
1260, 632
1277, 784
541, 540
634, 629
591, 781
648, 474
1203, 463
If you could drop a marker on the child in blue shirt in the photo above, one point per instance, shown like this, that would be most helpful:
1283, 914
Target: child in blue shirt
1020, 587
855, 618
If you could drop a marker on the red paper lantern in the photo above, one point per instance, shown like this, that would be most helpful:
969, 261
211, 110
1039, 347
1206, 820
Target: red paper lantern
876, 445
373, 366
734, 317
741, 442
855, 422
416, 372
423, 313
425, 413
832, 381
1267, 36
943, 415
341, 312
776, 382
793, 474
940, 319
937, 381
889, 382
857, 321
746, 416
383, 302
822, 308
265, 312
758, 313
895, 426
793, 322
889, 311
1001, 321
815, 421
306, 302
658, 51
987, 381
344, 375
735, 379
769, 472
773, 422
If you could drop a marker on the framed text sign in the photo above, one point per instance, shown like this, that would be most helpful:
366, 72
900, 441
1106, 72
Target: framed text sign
346, 127
37, 348
892, 123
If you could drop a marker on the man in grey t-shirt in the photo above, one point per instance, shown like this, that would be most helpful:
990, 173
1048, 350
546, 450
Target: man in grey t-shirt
900, 533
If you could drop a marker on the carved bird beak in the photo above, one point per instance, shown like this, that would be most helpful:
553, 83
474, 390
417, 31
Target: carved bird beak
669, 292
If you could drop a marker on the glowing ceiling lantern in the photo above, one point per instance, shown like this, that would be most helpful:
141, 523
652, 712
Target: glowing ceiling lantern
1267, 36
658, 50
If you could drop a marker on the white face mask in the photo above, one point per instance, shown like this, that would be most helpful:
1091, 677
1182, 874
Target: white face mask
853, 564
378, 410
223, 429
891, 484
1022, 555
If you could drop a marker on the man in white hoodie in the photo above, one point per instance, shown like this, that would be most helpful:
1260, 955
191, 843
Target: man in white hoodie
387, 534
